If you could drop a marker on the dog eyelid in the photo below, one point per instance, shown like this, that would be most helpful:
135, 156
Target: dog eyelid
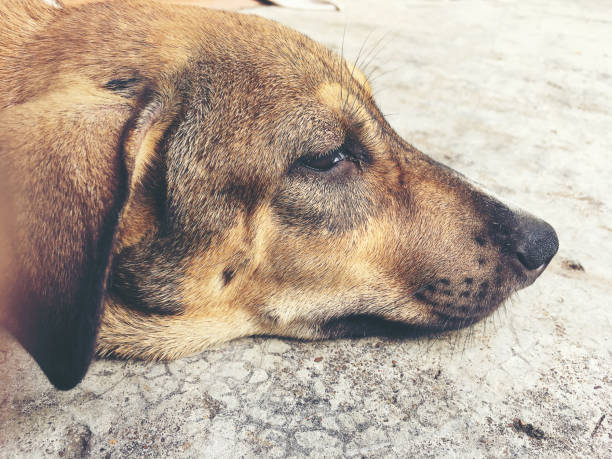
324, 162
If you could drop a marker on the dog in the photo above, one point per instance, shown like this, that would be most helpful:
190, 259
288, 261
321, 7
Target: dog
179, 177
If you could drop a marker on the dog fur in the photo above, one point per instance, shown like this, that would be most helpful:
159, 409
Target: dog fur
163, 198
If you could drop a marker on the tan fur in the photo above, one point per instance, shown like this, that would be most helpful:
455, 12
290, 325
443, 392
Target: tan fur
159, 162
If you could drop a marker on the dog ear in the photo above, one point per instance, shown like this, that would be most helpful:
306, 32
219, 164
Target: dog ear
160, 107
95, 153
145, 206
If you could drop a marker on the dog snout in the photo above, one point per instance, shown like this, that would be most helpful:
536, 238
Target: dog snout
536, 242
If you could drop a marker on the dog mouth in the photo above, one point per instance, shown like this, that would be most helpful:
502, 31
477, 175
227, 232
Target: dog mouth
365, 325
449, 305
462, 302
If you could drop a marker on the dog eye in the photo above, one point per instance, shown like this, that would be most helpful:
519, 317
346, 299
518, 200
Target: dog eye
326, 162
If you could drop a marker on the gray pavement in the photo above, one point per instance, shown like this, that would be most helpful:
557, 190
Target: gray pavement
516, 95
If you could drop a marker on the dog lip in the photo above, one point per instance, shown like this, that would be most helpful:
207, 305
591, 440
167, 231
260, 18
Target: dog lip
453, 322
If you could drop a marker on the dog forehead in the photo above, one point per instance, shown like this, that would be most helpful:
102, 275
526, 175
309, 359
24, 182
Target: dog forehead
247, 120
258, 97
257, 53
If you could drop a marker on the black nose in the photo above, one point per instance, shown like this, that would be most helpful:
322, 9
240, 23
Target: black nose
536, 242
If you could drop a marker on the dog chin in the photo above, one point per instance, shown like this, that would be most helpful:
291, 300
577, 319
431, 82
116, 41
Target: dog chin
450, 318
363, 325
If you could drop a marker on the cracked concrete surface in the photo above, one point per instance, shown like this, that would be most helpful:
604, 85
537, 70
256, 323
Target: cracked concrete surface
516, 95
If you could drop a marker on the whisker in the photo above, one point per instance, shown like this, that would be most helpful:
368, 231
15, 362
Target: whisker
381, 74
356, 61
371, 56
341, 63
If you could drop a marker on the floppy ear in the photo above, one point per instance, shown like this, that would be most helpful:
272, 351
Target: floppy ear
73, 157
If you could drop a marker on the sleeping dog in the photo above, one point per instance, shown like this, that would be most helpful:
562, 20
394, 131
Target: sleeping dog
177, 177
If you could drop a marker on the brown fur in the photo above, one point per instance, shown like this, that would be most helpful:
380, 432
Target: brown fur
157, 160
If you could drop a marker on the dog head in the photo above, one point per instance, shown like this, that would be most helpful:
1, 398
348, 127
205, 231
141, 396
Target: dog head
264, 191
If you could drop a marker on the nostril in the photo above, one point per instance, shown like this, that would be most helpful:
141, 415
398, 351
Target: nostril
526, 262
538, 243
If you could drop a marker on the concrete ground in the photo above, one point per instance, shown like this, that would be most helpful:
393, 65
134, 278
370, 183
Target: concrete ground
517, 95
